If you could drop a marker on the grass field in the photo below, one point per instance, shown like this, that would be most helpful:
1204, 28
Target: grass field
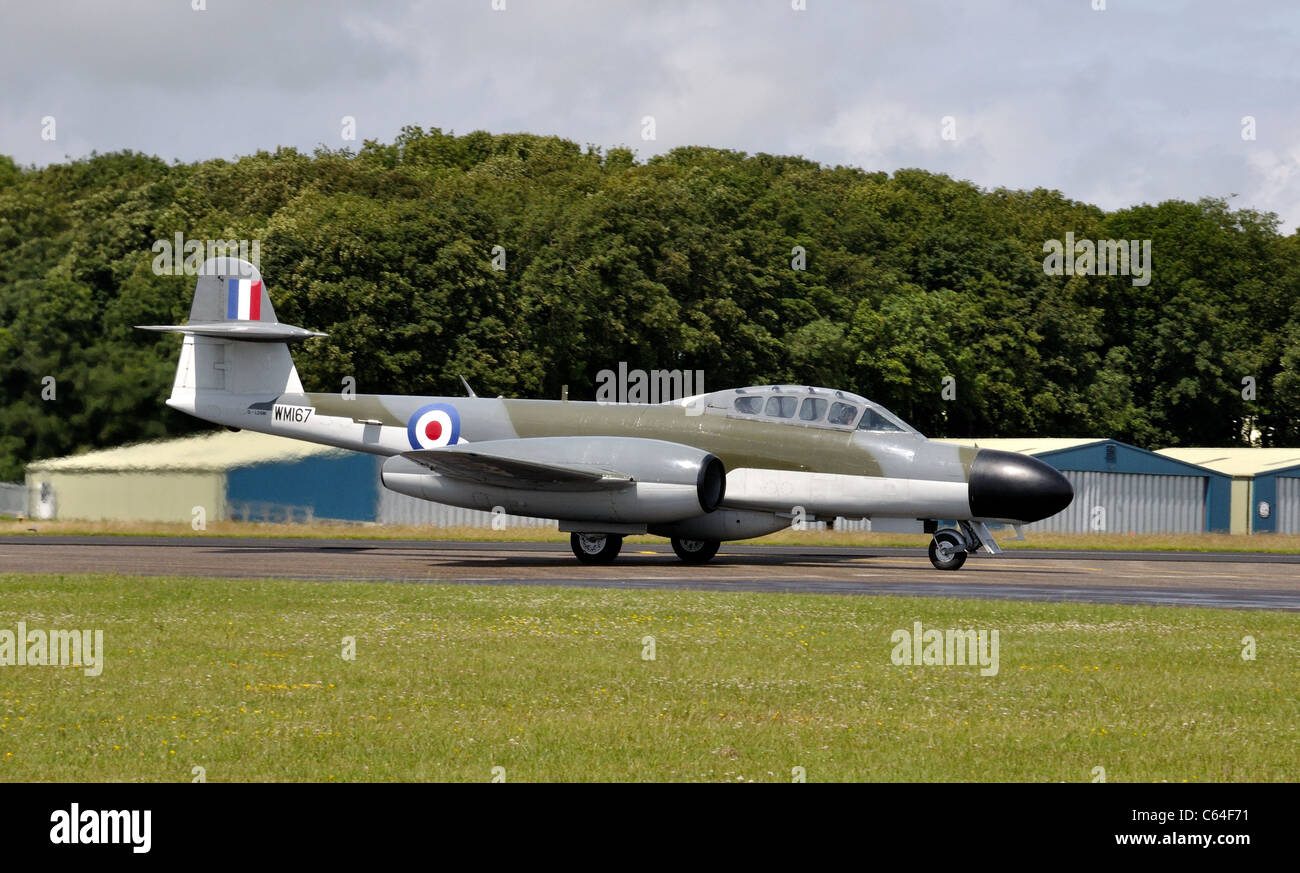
247, 680
1282, 543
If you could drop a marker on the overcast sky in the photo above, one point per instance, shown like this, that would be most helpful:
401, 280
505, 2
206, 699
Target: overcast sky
1140, 102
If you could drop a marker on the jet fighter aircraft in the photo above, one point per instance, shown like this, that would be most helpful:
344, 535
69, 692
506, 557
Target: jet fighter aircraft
726, 465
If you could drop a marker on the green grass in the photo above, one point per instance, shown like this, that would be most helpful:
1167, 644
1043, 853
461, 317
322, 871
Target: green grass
246, 679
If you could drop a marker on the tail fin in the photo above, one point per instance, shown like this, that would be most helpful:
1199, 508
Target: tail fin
233, 343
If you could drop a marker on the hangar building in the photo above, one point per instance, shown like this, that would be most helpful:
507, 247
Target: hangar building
1120, 488
1265, 485
233, 476
245, 476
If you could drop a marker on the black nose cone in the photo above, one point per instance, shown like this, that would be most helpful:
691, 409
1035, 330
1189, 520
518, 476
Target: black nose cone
1015, 487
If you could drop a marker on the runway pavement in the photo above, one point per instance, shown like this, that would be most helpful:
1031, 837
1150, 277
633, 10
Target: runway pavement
1243, 581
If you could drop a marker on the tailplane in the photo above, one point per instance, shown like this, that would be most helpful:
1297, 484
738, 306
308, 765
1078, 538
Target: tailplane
234, 345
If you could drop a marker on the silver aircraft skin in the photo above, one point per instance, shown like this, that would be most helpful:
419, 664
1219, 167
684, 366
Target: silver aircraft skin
726, 465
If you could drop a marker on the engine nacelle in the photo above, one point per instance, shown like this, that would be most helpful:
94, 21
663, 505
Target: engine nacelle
667, 482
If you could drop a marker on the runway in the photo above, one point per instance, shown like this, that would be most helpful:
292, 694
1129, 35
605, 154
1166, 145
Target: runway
1226, 580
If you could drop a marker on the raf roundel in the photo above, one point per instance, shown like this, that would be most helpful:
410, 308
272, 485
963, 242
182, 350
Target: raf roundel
434, 426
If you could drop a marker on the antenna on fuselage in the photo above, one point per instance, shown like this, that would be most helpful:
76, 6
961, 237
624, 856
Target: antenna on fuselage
468, 389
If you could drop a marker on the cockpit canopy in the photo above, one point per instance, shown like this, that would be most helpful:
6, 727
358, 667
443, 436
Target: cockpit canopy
803, 405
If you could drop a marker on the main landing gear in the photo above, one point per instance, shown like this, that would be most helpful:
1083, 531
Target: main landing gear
595, 548
696, 551
599, 548
951, 545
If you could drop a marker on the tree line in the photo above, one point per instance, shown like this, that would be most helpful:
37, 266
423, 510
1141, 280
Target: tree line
528, 263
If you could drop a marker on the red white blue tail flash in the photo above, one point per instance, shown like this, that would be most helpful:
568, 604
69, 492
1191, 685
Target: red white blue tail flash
434, 426
244, 299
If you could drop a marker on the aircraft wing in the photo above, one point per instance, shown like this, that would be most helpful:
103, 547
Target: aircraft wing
485, 466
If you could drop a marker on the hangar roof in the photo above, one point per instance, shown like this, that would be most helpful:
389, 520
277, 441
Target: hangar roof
1240, 461
209, 452
1097, 455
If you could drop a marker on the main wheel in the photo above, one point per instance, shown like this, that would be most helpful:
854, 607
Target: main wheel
595, 548
948, 550
695, 551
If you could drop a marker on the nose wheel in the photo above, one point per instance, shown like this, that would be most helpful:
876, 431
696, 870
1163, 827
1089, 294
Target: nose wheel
948, 550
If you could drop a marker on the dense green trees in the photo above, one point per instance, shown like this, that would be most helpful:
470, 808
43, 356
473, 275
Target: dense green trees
683, 261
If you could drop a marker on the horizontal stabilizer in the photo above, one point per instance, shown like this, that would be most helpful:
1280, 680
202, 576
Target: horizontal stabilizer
247, 331
480, 464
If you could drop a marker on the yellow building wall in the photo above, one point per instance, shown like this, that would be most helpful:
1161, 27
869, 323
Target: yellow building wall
1239, 521
131, 496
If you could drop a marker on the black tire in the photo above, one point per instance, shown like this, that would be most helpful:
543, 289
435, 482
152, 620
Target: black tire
695, 551
947, 550
595, 548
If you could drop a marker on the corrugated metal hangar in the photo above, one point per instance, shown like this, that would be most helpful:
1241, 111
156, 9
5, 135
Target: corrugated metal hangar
1265, 485
1120, 488
239, 476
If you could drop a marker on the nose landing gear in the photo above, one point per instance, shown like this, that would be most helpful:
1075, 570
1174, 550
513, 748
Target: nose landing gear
950, 546
948, 550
